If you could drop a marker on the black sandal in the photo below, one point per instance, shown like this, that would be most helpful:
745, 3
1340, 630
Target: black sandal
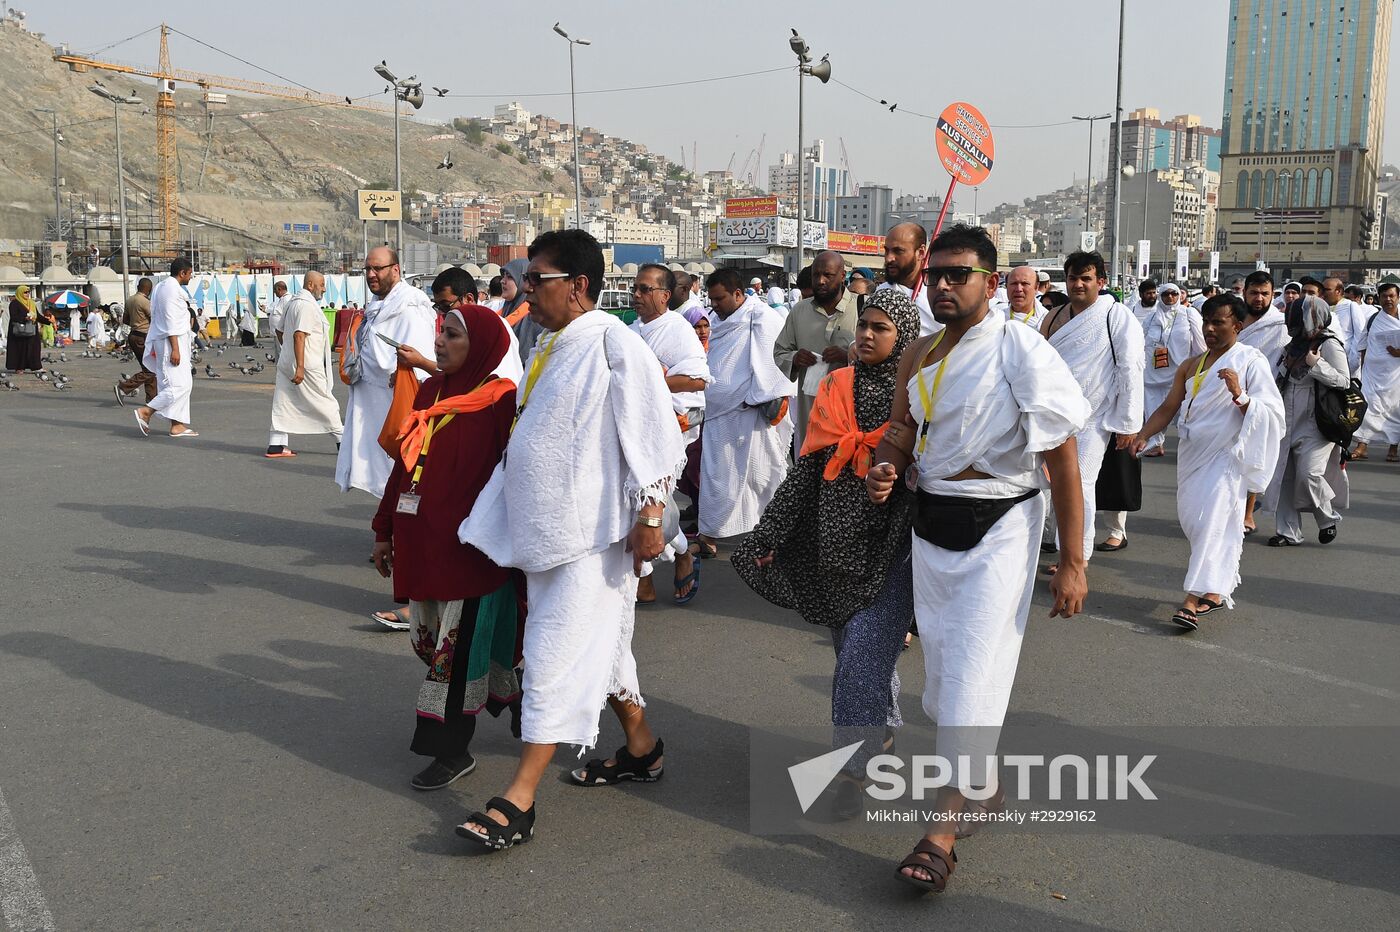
597, 772
1186, 619
932, 858
520, 827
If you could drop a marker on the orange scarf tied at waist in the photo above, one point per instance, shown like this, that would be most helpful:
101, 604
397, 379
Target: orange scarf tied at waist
833, 421
417, 424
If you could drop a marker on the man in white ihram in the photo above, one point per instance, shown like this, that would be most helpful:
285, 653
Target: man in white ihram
405, 316
1103, 345
744, 454
302, 402
168, 353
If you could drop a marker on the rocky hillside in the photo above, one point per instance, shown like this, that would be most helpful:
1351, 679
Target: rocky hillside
269, 161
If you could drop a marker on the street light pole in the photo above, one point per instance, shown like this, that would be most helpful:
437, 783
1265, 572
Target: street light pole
117, 102
121, 204
573, 117
801, 175
57, 205
398, 175
410, 91
1118, 134
822, 72
1089, 174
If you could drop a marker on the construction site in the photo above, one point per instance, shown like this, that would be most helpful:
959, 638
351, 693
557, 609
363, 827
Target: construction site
234, 173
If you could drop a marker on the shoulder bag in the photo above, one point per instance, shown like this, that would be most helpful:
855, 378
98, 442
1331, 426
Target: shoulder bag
1119, 486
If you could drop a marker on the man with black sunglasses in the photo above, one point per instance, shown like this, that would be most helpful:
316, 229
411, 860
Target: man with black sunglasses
978, 409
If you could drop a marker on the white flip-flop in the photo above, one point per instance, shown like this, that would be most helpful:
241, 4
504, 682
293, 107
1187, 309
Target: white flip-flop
142, 424
185, 433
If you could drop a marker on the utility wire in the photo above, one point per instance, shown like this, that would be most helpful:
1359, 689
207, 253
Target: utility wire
121, 42
245, 61
616, 90
929, 116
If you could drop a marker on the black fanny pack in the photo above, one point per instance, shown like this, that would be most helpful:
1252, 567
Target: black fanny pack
956, 523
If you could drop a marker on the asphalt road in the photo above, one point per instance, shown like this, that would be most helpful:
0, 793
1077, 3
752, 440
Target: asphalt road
202, 729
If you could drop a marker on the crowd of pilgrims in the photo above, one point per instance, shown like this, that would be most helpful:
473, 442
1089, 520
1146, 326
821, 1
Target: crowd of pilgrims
874, 458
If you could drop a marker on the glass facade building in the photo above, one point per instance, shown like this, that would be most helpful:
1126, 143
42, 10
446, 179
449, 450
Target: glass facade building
1302, 127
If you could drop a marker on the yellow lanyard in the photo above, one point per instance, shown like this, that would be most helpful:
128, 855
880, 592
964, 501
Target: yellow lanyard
1200, 375
428, 439
928, 398
1025, 320
536, 367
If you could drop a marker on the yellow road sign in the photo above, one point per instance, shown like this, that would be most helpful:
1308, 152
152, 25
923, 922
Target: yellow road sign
380, 205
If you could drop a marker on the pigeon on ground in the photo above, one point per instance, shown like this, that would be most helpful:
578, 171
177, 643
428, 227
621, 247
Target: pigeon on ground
249, 358
233, 365
270, 357
218, 352
63, 357
209, 371
43, 376
61, 386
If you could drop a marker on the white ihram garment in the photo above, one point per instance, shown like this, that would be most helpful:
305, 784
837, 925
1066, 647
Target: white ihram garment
1349, 320
596, 439
170, 317
672, 340
1268, 334
1224, 454
1114, 392
406, 316
308, 408
1005, 398
1177, 328
1380, 383
743, 459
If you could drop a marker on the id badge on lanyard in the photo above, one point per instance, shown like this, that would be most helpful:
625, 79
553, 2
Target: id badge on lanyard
408, 503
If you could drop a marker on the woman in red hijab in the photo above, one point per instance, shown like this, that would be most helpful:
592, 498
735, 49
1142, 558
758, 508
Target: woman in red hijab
464, 610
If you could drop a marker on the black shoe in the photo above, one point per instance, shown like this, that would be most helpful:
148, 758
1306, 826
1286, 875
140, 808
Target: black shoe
442, 772
117, 390
1327, 535
1278, 540
1048, 548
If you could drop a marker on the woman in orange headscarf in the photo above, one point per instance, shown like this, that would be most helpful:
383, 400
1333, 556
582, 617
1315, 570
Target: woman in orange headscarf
824, 549
464, 609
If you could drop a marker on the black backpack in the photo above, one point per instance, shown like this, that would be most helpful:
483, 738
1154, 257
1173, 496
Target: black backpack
1338, 411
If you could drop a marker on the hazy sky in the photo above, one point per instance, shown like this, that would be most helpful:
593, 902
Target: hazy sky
1023, 62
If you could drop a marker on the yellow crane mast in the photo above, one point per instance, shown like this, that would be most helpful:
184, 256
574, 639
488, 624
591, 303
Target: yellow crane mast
167, 193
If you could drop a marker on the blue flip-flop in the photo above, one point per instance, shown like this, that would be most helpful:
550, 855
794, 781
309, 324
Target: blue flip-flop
693, 580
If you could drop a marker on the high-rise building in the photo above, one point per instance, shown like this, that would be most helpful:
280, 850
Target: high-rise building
864, 211
823, 185
1151, 143
1303, 118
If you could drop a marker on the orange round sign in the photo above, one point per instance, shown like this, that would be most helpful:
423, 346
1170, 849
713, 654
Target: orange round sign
964, 142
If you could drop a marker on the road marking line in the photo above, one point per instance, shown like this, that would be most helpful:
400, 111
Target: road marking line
1278, 665
21, 901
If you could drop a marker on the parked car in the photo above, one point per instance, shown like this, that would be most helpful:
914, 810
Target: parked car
618, 303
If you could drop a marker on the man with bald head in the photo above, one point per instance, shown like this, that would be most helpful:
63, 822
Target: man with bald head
817, 336
906, 249
302, 402
1023, 300
1349, 319
397, 314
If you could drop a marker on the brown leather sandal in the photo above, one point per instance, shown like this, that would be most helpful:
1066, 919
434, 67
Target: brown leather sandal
932, 858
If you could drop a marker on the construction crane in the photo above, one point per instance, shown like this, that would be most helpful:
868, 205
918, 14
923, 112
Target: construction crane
167, 195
